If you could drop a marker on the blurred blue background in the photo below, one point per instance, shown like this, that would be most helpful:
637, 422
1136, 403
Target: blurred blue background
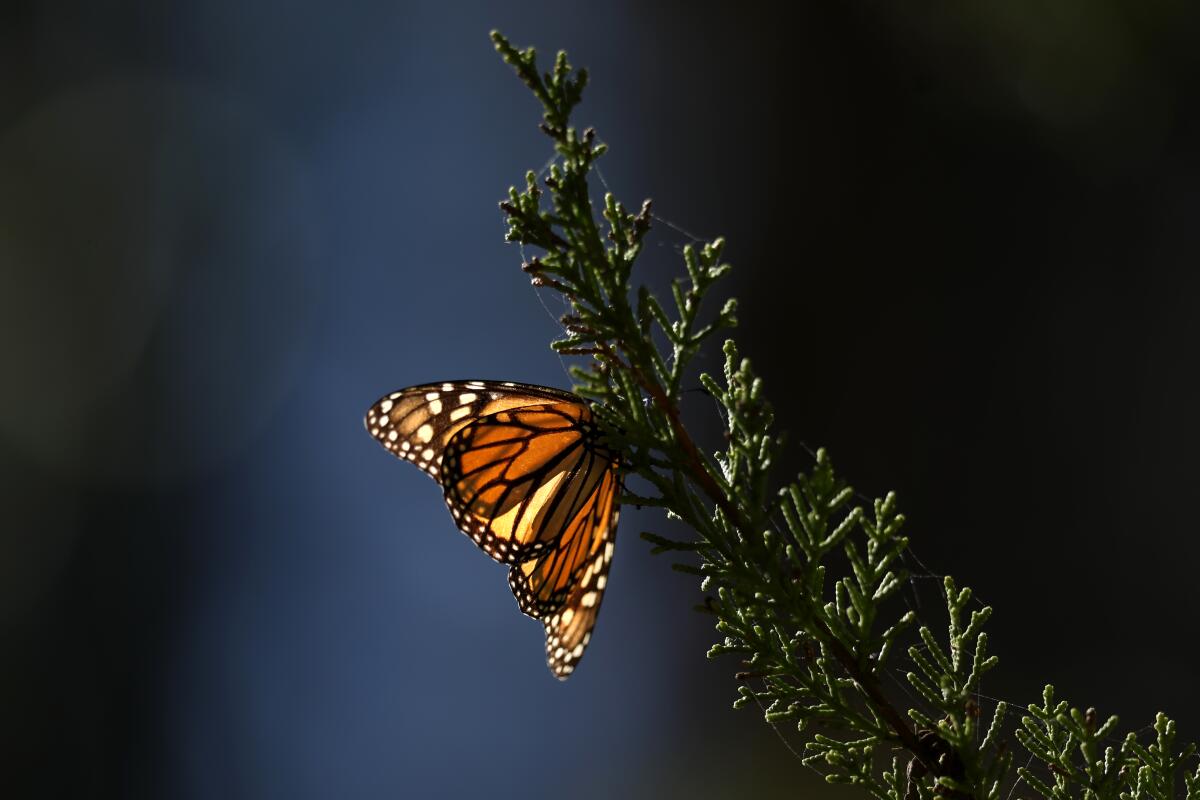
226, 228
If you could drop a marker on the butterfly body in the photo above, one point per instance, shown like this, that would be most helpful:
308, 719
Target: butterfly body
525, 474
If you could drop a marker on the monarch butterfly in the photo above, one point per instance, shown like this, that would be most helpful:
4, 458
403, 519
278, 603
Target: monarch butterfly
527, 478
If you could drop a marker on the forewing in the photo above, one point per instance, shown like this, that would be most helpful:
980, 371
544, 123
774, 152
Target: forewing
416, 424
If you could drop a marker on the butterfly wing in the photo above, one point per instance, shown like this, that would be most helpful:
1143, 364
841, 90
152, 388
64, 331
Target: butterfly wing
564, 586
524, 477
515, 480
415, 424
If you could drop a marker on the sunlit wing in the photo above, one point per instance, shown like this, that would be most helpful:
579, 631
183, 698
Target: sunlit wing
514, 480
523, 475
416, 423
564, 586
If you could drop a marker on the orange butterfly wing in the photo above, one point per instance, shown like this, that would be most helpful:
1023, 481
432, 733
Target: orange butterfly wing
515, 479
563, 587
524, 476
416, 423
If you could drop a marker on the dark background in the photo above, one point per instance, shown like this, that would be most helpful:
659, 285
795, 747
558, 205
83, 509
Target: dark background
966, 248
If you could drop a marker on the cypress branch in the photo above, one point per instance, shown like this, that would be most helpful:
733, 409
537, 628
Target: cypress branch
816, 638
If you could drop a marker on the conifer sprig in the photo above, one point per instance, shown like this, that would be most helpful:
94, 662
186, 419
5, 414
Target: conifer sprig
803, 579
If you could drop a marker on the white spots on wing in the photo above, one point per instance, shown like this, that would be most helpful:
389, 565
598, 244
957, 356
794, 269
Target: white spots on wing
459, 413
435, 406
567, 616
587, 637
601, 582
588, 600
608, 551
578, 651
447, 387
508, 383
427, 454
405, 446
392, 435
385, 406
425, 432
432, 395
477, 385
467, 397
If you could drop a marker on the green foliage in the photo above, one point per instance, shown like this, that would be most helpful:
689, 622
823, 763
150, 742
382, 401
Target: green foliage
803, 580
1071, 743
